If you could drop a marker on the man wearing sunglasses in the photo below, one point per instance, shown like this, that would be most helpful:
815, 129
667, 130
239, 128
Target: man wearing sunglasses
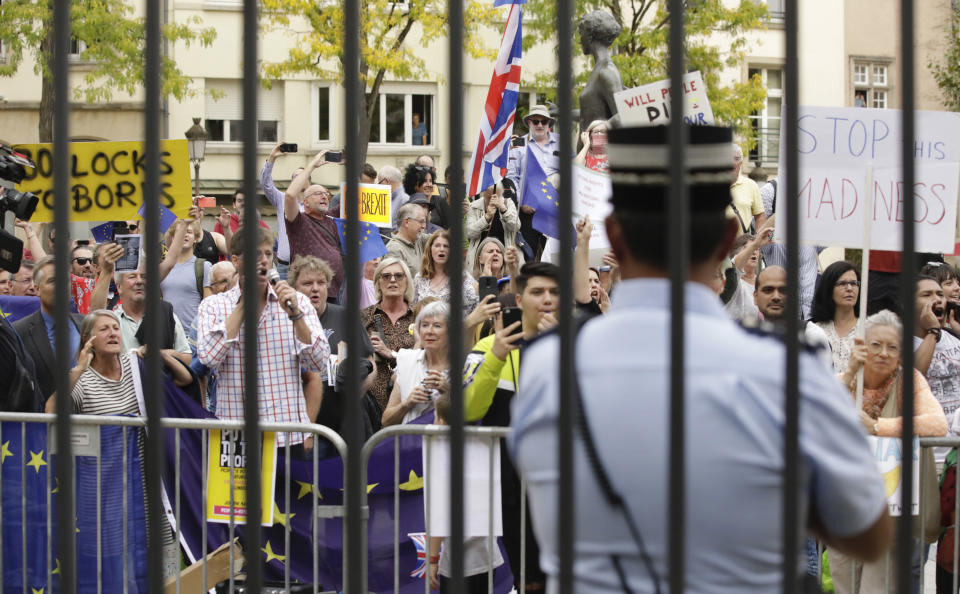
81, 261
545, 146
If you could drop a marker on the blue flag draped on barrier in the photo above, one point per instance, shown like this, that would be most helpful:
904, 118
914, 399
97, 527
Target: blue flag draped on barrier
28, 494
301, 492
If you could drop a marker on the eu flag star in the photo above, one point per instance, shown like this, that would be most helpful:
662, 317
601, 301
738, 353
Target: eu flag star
36, 460
5, 451
413, 483
271, 555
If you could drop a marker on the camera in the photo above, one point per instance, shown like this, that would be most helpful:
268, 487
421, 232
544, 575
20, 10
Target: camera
21, 204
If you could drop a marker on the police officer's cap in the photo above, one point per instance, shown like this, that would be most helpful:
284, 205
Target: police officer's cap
640, 167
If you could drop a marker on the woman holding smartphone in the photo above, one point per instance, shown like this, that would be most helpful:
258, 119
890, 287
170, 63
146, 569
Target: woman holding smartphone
422, 374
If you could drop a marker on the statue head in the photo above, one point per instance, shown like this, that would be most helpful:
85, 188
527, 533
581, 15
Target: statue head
598, 26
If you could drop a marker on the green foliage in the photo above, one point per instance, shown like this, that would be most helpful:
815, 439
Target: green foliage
947, 71
112, 39
316, 31
715, 39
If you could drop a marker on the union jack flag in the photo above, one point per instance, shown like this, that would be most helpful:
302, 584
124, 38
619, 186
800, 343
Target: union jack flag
420, 542
496, 124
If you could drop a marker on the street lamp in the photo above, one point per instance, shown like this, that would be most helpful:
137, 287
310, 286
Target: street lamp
196, 147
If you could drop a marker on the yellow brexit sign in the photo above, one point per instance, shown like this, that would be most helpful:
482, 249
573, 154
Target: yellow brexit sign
228, 450
106, 179
374, 201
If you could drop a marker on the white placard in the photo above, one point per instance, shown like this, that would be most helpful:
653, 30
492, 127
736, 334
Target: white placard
649, 105
888, 452
591, 196
477, 480
835, 146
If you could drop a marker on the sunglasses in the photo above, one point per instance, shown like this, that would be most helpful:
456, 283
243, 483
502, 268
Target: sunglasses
82, 261
132, 228
538, 122
392, 276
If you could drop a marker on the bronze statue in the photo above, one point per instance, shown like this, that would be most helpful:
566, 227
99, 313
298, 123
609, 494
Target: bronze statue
598, 31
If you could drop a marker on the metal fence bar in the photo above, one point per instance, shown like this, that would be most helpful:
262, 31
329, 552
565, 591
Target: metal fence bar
355, 538
123, 432
791, 429
904, 542
99, 507
61, 218
455, 329
251, 313
567, 483
396, 515
678, 262
176, 482
153, 394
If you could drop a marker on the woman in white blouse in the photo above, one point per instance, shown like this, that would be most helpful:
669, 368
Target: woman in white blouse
836, 305
433, 280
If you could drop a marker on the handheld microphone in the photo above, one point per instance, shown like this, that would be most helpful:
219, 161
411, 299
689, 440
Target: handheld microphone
274, 277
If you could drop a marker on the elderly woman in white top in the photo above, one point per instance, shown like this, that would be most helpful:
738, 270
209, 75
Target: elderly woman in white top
494, 215
422, 374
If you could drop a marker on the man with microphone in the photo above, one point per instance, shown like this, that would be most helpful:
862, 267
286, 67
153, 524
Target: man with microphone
289, 337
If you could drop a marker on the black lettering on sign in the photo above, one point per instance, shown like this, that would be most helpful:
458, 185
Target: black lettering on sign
165, 168
100, 164
125, 189
113, 162
372, 203
29, 173
103, 197
81, 198
44, 163
75, 170
139, 163
165, 198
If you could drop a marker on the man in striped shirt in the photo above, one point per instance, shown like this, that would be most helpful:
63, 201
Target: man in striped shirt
289, 337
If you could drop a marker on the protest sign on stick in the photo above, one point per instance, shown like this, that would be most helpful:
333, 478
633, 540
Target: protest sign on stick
374, 201
837, 144
106, 179
649, 105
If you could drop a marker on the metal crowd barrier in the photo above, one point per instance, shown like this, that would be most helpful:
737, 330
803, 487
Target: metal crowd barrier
78, 438
494, 435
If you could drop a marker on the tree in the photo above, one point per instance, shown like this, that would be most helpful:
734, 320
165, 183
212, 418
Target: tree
317, 50
111, 45
947, 72
640, 52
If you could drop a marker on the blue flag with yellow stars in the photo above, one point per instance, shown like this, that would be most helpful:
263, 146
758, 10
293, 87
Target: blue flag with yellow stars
28, 500
539, 193
15, 308
371, 244
287, 547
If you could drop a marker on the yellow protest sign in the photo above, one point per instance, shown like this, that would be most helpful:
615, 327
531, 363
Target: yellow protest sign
374, 200
106, 179
228, 448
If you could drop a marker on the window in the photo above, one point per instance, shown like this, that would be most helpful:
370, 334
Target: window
860, 74
765, 123
775, 11
322, 111
403, 118
871, 82
224, 116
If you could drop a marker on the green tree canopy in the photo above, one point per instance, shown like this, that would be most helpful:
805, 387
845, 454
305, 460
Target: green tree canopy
947, 71
715, 39
316, 30
111, 43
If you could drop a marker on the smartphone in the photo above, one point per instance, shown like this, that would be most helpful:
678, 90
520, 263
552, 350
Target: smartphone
518, 141
379, 323
512, 314
288, 147
955, 308
207, 202
333, 156
604, 269
83, 242
488, 286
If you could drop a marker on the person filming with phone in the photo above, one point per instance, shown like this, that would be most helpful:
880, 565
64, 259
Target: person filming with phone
490, 379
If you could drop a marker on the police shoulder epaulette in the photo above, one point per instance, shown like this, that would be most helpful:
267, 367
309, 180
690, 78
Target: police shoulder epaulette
580, 318
777, 331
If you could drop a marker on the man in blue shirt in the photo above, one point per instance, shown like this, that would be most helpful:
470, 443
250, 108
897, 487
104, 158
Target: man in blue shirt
545, 146
734, 411
37, 329
419, 131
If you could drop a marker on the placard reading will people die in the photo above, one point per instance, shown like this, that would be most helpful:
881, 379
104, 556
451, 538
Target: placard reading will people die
837, 145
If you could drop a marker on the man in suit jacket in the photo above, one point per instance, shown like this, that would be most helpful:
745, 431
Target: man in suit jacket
37, 329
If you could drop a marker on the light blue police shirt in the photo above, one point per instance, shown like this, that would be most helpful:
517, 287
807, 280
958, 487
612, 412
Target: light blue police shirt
734, 440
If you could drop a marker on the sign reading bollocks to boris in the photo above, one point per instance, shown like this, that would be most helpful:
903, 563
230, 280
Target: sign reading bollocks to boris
374, 202
837, 144
649, 105
106, 179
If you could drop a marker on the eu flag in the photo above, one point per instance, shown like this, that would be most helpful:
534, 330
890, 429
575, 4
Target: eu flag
371, 245
539, 193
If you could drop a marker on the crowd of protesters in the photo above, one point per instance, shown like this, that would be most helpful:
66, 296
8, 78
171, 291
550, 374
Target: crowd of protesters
510, 297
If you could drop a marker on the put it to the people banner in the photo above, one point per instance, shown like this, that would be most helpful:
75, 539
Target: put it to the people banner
228, 449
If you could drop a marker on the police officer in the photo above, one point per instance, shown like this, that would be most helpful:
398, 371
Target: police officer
734, 410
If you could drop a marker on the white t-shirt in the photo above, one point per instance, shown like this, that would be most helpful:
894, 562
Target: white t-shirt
944, 379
